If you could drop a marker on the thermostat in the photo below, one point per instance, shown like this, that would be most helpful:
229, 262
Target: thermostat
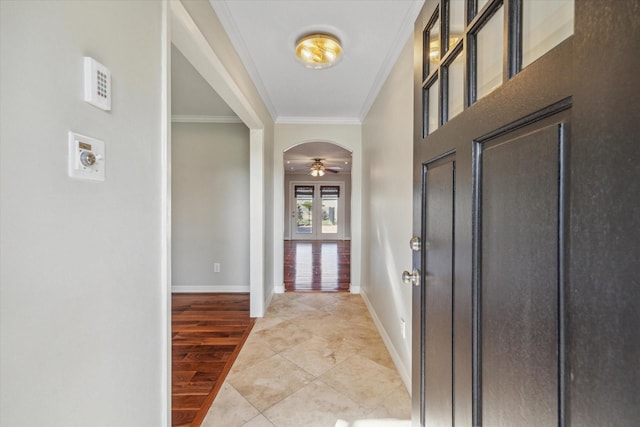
86, 157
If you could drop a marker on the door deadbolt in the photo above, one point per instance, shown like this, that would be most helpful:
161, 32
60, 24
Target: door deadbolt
411, 278
415, 244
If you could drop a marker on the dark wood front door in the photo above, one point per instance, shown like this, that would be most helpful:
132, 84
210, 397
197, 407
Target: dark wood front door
527, 203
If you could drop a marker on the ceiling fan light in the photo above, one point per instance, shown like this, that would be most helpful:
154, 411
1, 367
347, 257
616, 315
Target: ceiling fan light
319, 50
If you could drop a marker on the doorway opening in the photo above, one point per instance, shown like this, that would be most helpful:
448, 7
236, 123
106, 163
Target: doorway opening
317, 194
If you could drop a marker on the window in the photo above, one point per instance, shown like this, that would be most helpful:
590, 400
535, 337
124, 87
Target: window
486, 42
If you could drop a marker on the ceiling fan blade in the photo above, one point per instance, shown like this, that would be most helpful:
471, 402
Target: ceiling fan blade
331, 170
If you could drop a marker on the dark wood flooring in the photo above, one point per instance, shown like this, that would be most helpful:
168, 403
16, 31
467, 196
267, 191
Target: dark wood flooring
317, 265
208, 331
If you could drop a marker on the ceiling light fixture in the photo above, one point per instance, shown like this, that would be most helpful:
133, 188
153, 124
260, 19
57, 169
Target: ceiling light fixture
318, 50
317, 168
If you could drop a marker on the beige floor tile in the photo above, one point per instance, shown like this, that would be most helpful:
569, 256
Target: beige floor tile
286, 306
319, 301
229, 409
266, 323
259, 421
396, 405
283, 336
313, 359
316, 405
253, 351
366, 382
318, 355
269, 381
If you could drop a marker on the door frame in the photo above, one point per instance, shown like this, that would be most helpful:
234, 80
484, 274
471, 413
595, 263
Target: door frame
316, 235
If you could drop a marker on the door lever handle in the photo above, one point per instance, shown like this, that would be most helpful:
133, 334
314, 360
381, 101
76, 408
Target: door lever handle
411, 278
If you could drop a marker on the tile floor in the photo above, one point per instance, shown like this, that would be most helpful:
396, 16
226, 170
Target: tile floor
313, 359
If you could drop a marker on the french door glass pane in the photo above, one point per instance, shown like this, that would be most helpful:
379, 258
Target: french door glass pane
489, 48
329, 196
544, 25
456, 21
456, 86
304, 209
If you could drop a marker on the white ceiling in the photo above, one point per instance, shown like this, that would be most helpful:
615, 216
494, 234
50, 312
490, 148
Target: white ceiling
264, 32
298, 160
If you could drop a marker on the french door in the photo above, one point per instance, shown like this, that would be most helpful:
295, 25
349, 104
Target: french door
521, 262
316, 210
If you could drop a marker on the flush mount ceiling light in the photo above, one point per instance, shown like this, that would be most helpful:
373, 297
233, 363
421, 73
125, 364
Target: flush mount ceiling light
318, 50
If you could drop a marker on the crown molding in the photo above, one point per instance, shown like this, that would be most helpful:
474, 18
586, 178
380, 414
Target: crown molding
205, 119
318, 121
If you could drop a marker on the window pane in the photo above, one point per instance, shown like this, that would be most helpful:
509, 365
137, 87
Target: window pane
329, 195
304, 209
434, 45
481, 4
489, 43
544, 25
456, 21
432, 111
456, 86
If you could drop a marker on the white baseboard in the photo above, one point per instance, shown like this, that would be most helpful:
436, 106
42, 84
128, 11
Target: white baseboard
206, 289
278, 289
402, 370
354, 289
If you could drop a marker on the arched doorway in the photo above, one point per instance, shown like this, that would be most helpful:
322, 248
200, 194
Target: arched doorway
317, 219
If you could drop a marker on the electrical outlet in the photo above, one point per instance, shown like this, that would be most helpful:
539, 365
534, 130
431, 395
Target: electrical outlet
403, 328
216, 267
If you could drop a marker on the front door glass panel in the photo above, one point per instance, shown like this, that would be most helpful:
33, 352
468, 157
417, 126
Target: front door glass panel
544, 25
489, 55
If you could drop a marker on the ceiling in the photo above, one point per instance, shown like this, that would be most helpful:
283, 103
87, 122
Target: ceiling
298, 160
264, 33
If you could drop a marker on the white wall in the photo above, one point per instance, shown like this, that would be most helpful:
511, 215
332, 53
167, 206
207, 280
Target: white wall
387, 206
345, 198
210, 207
239, 92
290, 135
81, 308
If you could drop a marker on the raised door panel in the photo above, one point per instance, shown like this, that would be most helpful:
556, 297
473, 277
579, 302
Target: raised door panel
520, 188
438, 292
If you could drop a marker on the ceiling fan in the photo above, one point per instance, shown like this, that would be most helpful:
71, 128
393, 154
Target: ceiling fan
318, 168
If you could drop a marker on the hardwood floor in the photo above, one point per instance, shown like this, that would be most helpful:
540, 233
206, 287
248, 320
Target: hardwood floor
317, 265
208, 331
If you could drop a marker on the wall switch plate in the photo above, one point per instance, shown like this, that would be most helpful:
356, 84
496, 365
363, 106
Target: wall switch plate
403, 328
97, 84
86, 157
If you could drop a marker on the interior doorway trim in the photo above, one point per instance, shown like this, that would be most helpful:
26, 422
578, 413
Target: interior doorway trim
188, 38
